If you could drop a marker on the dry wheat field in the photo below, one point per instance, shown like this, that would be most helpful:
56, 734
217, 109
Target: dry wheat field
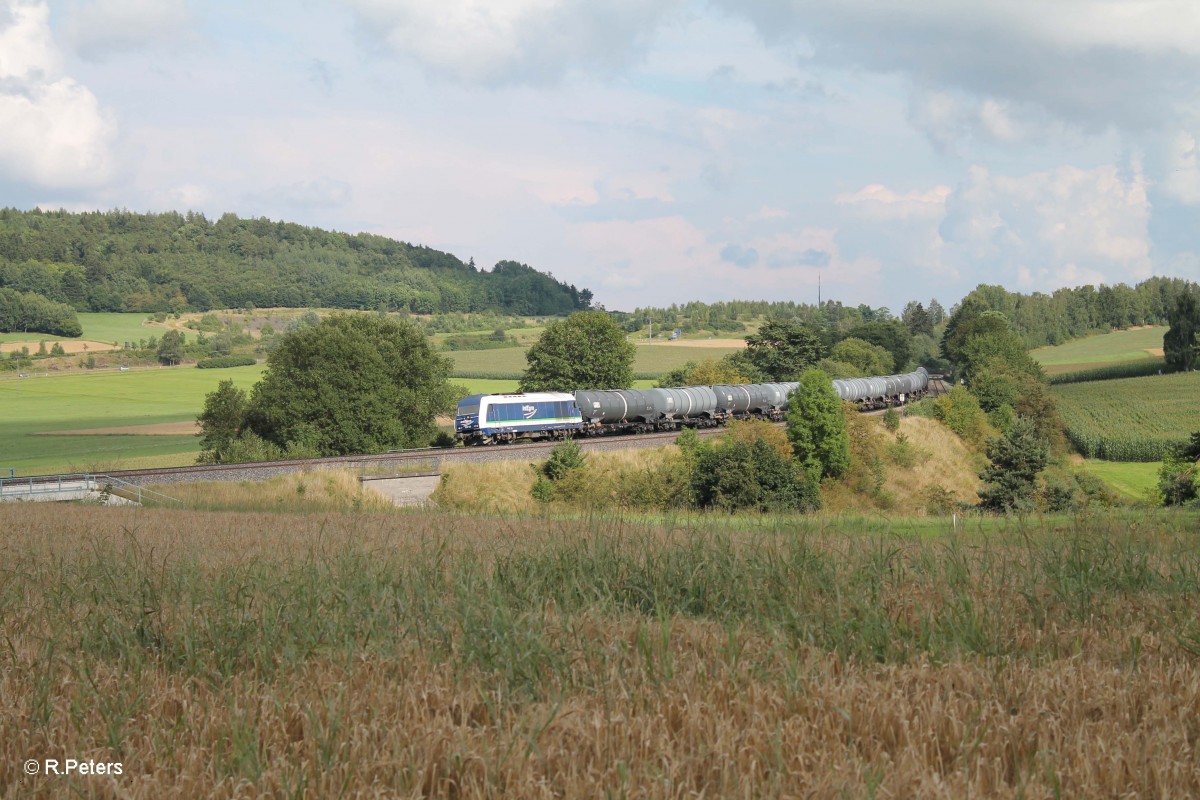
221, 654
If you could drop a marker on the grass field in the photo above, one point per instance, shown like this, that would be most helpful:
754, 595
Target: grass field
500, 386
1133, 419
431, 655
102, 400
102, 327
651, 359
1119, 347
1134, 480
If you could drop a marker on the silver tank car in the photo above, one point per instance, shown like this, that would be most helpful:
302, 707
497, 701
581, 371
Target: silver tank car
614, 405
685, 402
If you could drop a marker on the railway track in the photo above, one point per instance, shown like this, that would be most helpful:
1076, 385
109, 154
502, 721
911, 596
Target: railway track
425, 459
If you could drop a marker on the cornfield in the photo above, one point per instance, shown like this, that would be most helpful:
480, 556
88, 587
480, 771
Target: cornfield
1134, 419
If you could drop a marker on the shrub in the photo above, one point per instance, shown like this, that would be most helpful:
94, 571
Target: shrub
741, 475
903, 453
891, 420
960, 411
542, 490
565, 456
939, 500
224, 362
1177, 484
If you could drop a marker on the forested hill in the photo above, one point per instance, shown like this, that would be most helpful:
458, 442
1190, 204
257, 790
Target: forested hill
122, 261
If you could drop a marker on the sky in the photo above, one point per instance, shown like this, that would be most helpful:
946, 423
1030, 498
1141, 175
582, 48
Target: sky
654, 151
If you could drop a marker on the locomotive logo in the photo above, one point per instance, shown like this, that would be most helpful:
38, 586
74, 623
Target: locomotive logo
529, 411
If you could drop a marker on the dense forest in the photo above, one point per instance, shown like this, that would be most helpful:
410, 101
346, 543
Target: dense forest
122, 261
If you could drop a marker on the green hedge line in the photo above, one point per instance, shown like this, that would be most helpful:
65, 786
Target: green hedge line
222, 362
1138, 369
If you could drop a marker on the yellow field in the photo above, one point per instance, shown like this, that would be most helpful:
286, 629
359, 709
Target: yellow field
414, 655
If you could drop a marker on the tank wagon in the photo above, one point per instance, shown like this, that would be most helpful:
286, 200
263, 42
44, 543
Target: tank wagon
489, 419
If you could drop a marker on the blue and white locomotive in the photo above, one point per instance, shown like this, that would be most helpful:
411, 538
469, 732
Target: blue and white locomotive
488, 418
498, 418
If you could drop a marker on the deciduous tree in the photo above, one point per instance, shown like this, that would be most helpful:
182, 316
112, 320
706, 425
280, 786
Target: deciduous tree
1180, 346
587, 350
221, 421
170, 347
352, 384
817, 426
782, 349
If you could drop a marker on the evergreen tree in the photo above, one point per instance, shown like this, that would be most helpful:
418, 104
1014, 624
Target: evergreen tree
917, 319
1017, 457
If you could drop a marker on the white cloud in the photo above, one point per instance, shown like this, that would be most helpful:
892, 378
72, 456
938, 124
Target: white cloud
27, 50
100, 28
56, 134
1050, 229
878, 202
768, 213
1093, 63
534, 42
1183, 168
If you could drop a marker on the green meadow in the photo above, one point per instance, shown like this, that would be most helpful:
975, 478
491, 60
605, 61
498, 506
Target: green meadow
1134, 480
104, 399
102, 327
651, 359
1119, 347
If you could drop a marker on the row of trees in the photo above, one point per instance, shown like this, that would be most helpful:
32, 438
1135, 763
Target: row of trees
121, 261
733, 314
28, 312
1047, 319
590, 351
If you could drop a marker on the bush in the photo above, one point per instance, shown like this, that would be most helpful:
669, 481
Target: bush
904, 453
565, 457
740, 475
891, 420
542, 490
1177, 483
939, 500
961, 413
224, 362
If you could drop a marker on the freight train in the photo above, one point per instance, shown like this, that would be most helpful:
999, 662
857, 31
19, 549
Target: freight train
500, 418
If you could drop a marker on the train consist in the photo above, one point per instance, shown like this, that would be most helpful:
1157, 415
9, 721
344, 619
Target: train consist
500, 418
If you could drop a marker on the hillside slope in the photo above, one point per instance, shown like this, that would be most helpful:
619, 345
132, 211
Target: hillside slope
122, 261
